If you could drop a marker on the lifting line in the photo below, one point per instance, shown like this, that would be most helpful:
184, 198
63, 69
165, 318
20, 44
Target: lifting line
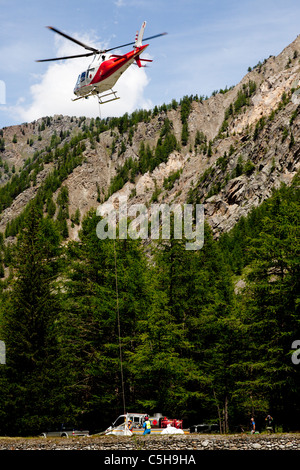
99, 110
119, 329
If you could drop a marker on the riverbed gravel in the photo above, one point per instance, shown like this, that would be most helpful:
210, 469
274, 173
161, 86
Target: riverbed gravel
189, 442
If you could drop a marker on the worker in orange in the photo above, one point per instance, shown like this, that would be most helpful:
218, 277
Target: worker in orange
130, 425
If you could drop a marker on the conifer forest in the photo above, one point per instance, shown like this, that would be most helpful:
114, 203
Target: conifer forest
95, 326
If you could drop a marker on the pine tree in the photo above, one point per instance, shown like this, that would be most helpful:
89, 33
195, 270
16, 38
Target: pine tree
271, 309
180, 336
214, 330
30, 313
105, 296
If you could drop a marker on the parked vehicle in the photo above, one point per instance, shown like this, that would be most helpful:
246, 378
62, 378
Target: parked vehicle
133, 422
64, 431
204, 428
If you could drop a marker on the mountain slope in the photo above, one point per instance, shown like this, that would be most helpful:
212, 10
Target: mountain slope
228, 151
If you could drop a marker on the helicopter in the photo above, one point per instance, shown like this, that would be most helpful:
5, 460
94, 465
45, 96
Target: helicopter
105, 69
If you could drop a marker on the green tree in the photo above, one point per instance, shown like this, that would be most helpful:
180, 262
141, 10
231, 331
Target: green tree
105, 294
50, 207
27, 329
191, 294
63, 212
271, 310
184, 134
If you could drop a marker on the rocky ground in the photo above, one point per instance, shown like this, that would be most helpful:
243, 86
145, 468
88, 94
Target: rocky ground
191, 442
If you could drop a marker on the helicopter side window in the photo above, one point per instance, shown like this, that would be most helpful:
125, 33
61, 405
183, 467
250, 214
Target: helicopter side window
83, 76
90, 72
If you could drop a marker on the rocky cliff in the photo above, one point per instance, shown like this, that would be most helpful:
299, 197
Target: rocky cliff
231, 150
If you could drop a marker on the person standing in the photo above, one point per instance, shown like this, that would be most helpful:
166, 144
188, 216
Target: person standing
130, 425
252, 426
269, 423
147, 426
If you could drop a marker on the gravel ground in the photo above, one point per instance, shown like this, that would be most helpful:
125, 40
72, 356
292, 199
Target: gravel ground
190, 442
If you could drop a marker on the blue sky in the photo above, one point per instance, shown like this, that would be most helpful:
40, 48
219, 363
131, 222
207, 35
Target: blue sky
210, 45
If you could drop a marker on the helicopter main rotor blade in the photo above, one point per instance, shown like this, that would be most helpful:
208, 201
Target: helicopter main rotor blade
95, 51
72, 39
155, 36
131, 43
68, 57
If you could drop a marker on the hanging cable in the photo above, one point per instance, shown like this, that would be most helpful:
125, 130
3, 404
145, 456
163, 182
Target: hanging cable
119, 329
99, 109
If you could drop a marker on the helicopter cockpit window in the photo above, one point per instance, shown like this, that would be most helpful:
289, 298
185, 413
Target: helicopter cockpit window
78, 82
83, 76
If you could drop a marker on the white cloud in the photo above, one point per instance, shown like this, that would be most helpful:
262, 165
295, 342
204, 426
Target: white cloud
119, 3
53, 92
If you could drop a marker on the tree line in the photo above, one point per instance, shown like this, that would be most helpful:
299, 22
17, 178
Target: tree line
195, 343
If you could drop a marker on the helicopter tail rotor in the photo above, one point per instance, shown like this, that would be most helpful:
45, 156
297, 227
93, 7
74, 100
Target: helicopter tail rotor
139, 37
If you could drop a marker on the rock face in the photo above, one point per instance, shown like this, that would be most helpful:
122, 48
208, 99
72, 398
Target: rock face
250, 145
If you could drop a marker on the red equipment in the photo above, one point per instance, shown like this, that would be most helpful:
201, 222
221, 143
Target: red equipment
176, 423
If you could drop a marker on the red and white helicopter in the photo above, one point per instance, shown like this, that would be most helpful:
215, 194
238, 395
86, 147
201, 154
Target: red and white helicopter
105, 70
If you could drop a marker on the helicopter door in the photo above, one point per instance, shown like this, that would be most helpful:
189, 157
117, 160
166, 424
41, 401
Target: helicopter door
90, 74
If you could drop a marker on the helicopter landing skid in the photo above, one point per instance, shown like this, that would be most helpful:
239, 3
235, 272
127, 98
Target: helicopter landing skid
100, 97
108, 94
